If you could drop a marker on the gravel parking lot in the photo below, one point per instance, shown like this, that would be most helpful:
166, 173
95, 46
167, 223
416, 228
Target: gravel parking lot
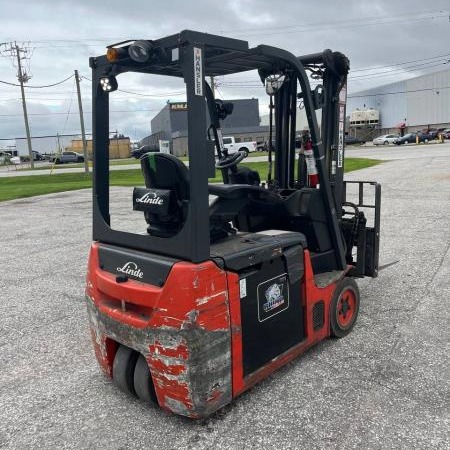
385, 386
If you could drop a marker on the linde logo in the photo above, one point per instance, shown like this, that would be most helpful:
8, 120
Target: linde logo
150, 198
131, 268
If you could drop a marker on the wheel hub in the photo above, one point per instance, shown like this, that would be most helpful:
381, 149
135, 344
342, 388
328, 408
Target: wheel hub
346, 308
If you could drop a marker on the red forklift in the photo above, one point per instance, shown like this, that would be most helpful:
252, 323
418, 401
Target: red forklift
228, 282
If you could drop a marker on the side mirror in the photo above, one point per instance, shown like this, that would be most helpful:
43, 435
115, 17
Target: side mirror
274, 83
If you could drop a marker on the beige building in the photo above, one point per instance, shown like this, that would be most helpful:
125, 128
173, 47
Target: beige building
118, 148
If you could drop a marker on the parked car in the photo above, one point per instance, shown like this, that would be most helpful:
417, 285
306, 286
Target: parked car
15, 160
426, 136
408, 138
37, 156
68, 157
446, 133
429, 133
352, 140
386, 139
138, 152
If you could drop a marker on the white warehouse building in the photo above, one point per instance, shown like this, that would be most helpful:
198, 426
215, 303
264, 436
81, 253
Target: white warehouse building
419, 102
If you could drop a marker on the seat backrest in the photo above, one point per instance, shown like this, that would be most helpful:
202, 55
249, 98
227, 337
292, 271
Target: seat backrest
166, 173
163, 171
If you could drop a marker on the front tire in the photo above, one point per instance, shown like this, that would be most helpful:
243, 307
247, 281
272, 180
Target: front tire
386, 143
344, 308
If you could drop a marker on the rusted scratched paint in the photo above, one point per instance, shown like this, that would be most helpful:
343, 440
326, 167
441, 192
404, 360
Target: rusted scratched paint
180, 351
182, 329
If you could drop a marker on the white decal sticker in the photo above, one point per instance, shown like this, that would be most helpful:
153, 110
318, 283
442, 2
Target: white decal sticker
198, 75
273, 297
243, 287
340, 156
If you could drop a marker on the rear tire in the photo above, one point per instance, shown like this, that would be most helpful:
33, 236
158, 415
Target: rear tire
245, 150
344, 308
123, 369
386, 143
143, 383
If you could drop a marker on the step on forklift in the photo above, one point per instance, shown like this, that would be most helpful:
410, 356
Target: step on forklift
226, 283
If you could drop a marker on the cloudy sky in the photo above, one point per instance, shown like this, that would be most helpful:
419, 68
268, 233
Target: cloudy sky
385, 40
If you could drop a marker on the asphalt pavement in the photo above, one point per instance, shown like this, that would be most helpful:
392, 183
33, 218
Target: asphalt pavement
385, 386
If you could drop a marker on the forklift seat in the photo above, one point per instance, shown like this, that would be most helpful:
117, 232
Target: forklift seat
166, 172
234, 191
250, 208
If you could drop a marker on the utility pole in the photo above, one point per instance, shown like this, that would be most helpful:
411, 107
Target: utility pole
83, 133
13, 51
22, 77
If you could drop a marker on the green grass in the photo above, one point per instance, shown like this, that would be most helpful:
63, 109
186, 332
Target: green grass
29, 185
114, 162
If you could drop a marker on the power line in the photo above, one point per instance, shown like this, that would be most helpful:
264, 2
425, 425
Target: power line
332, 23
400, 92
364, 69
404, 16
358, 24
86, 112
38, 87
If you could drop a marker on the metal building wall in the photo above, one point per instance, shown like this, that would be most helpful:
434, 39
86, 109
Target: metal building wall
389, 99
430, 106
245, 113
422, 101
161, 123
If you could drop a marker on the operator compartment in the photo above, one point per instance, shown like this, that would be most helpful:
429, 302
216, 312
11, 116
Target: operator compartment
270, 269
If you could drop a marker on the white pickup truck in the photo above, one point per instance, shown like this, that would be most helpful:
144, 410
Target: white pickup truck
232, 146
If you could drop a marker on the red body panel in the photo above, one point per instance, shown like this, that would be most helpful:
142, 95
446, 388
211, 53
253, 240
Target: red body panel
311, 295
189, 331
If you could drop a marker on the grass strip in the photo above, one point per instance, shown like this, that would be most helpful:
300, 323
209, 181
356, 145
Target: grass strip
22, 186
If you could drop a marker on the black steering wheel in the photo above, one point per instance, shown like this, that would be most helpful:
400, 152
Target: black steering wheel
231, 160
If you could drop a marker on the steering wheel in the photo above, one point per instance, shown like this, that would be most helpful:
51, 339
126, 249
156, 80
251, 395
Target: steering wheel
229, 161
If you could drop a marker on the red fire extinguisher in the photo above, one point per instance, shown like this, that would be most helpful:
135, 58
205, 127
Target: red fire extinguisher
313, 177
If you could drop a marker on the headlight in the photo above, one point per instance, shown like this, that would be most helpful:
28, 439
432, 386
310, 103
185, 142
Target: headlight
108, 84
140, 51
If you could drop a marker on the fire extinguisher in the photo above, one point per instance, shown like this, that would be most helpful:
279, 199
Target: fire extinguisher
313, 177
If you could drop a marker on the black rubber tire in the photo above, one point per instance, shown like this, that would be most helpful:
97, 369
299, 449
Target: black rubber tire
385, 143
245, 150
123, 369
143, 383
80, 159
337, 329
